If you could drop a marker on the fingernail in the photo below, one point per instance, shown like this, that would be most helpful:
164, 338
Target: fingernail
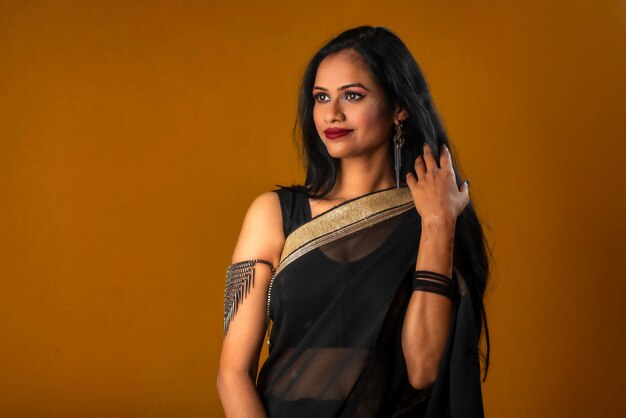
467, 181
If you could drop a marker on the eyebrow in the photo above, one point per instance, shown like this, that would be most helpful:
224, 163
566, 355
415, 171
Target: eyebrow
343, 87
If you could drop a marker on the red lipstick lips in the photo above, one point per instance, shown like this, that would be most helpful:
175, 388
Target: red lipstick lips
332, 133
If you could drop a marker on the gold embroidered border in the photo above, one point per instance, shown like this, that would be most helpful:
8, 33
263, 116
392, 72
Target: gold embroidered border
345, 219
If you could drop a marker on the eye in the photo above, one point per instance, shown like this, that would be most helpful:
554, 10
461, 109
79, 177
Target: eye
318, 97
353, 96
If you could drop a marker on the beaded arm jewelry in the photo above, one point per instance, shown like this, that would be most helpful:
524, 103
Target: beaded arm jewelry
430, 281
239, 281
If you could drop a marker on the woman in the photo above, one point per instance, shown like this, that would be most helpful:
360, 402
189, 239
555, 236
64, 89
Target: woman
371, 274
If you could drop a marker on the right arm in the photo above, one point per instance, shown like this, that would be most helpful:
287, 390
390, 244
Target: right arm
261, 237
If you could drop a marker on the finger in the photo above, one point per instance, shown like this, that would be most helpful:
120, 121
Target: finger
420, 167
429, 160
411, 181
445, 159
465, 192
465, 187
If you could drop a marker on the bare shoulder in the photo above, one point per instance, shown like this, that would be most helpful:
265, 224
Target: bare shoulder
261, 235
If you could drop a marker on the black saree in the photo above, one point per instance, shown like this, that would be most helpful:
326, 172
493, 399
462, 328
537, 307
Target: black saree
336, 304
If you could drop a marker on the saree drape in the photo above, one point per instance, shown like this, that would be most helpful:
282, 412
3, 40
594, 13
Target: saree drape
336, 304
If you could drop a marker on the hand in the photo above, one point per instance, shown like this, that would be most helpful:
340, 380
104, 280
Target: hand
435, 192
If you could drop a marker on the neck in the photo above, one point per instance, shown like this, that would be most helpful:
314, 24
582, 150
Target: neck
359, 176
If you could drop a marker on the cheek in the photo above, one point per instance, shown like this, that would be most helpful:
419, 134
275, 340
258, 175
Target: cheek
374, 106
374, 114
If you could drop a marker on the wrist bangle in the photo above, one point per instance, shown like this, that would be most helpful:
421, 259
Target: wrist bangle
430, 281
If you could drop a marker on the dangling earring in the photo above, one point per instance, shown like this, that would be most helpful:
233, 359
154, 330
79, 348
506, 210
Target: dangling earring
398, 140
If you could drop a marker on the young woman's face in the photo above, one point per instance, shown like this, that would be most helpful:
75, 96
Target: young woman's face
347, 97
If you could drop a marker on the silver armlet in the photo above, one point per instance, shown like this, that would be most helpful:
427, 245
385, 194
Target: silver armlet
239, 281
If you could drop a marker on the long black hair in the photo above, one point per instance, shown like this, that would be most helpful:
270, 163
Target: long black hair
400, 77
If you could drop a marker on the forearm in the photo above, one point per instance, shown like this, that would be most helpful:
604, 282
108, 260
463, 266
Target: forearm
239, 396
427, 318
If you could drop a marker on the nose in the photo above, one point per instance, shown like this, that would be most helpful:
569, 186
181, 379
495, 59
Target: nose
334, 112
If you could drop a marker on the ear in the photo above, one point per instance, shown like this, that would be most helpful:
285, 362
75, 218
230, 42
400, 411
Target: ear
399, 114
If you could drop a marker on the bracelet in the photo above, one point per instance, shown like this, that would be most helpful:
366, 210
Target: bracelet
430, 281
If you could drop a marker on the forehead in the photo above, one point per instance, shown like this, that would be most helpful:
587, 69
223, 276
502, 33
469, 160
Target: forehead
342, 68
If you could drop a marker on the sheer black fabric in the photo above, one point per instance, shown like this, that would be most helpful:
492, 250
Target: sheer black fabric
337, 307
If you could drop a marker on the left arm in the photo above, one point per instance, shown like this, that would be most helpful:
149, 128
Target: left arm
427, 318
439, 202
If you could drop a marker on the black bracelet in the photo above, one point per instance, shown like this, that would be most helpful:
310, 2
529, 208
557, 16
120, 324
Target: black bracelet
430, 281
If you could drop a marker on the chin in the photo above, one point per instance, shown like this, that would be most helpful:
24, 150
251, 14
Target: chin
337, 152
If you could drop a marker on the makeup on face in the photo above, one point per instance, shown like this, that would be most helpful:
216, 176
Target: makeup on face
349, 108
334, 133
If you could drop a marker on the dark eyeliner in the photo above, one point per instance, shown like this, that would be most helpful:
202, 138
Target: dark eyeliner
359, 95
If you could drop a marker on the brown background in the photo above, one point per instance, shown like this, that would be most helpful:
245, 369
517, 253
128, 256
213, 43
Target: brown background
134, 135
